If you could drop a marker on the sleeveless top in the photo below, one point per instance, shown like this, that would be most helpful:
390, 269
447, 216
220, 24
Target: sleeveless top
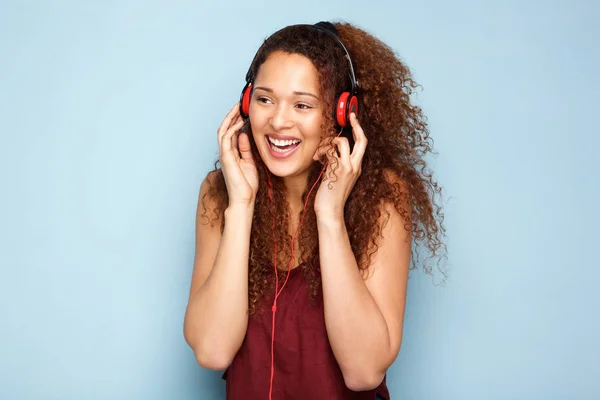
304, 364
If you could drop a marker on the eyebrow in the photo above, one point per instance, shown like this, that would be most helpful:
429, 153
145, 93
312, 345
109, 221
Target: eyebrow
266, 89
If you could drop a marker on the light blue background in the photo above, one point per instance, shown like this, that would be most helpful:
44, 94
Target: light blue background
108, 114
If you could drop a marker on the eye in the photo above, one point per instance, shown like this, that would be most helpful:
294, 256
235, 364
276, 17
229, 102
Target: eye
262, 99
303, 106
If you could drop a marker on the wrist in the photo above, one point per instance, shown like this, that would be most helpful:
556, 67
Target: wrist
239, 211
330, 218
241, 204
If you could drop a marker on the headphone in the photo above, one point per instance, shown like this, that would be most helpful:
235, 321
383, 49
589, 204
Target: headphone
347, 102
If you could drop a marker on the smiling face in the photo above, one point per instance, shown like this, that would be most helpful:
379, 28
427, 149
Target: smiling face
286, 113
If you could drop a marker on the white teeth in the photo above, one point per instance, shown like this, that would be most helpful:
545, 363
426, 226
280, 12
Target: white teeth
278, 150
278, 142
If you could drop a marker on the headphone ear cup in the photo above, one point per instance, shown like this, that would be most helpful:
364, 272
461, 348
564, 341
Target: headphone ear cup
341, 110
345, 106
245, 101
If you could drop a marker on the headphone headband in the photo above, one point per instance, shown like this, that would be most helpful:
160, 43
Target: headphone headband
330, 29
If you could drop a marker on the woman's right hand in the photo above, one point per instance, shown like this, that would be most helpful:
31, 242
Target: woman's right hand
237, 163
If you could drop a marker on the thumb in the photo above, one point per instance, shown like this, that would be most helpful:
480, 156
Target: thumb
244, 146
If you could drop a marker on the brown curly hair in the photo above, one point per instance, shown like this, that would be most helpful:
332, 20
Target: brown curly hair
394, 169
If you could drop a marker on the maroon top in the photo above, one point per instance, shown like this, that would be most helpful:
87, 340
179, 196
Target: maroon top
305, 367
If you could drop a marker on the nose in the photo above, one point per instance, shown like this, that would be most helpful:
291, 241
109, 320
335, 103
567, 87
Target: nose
281, 118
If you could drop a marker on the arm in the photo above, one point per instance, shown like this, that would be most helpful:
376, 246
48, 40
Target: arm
364, 316
216, 317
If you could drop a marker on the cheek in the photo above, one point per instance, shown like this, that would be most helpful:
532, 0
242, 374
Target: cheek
254, 117
313, 129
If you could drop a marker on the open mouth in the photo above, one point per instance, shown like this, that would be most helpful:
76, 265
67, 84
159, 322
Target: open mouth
283, 146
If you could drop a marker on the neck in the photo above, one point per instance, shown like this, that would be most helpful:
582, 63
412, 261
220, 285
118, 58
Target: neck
294, 188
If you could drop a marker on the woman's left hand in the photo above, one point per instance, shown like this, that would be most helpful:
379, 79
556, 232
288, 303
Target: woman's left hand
333, 192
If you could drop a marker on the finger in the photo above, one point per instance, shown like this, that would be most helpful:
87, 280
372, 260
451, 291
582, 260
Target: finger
236, 117
360, 142
225, 124
319, 155
343, 147
324, 147
228, 121
226, 140
244, 147
234, 145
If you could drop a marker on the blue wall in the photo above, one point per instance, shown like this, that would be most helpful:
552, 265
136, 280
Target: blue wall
108, 114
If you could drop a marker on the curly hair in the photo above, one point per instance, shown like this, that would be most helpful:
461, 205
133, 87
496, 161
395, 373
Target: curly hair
394, 169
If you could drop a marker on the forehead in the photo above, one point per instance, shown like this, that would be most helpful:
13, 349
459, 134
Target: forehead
283, 70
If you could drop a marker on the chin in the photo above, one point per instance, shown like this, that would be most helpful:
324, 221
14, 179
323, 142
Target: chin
285, 169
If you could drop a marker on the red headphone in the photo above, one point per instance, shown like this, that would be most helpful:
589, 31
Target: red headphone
347, 102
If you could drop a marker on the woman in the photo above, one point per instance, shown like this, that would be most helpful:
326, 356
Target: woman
304, 235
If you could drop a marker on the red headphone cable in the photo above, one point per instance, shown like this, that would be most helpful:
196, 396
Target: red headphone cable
277, 290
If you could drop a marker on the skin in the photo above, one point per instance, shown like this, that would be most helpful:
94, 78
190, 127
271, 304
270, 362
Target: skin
363, 313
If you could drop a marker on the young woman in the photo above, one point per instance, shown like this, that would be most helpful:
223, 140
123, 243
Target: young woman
305, 234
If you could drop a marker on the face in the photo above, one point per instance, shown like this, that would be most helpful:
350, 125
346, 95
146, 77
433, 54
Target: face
286, 113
